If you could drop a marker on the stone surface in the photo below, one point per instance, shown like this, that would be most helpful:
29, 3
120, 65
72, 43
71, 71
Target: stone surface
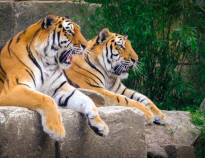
21, 135
174, 140
17, 16
202, 106
176, 136
7, 22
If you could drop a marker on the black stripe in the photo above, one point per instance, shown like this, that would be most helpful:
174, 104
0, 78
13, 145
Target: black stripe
45, 49
87, 77
118, 87
30, 72
118, 100
1, 80
69, 81
106, 51
126, 100
89, 73
1, 48
138, 98
58, 87
92, 85
59, 101
58, 35
32, 76
54, 37
123, 91
132, 96
19, 83
115, 54
1, 68
9, 46
56, 77
93, 66
142, 100
35, 62
111, 51
19, 36
66, 100
22, 62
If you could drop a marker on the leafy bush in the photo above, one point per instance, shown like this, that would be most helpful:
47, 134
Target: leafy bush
198, 118
164, 36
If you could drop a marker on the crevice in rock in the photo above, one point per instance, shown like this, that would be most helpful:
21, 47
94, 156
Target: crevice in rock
57, 150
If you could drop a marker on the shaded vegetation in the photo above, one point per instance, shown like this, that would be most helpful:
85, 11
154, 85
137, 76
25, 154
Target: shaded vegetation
198, 118
167, 36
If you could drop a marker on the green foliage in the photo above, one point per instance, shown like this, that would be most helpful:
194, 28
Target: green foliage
198, 118
166, 39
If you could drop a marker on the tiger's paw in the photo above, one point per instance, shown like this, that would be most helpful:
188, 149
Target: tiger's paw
160, 119
98, 126
55, 131
149, 118
54, 128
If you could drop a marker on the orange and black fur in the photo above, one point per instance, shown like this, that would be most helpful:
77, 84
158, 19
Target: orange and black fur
101, 68
31, 73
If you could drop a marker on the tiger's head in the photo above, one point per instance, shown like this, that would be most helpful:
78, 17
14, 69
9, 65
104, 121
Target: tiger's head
63, 39
114, 52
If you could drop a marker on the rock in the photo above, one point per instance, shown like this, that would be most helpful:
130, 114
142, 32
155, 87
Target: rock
202, 106
185, 152
17, 16
7, 21
175, 138
21, 135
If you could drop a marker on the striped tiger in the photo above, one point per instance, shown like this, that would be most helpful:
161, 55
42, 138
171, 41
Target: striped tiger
31, 74
101, 68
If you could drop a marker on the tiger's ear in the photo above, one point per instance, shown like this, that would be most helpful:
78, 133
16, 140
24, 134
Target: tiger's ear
126, 36
103, 35
48, 21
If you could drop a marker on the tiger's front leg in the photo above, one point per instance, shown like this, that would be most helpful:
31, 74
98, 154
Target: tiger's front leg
68, 97
159, 116
23, 96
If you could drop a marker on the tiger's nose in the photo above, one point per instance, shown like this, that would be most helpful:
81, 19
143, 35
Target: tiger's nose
134, 60
83, 46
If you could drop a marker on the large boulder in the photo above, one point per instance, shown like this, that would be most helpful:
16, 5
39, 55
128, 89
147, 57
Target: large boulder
17, 16
21, 135
174, 140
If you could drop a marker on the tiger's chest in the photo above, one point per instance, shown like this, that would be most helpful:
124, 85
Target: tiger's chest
53, 76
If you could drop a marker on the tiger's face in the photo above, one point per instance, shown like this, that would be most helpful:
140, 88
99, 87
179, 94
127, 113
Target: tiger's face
64, 40
115, 53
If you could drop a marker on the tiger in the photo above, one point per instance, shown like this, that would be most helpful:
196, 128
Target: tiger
31, 74
102, 67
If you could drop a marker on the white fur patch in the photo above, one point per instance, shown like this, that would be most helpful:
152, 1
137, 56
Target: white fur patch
120, 41
68, 26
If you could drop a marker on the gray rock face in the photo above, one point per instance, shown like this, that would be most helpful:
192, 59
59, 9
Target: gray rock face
21, 135
17, 16
202, 106
175, 139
